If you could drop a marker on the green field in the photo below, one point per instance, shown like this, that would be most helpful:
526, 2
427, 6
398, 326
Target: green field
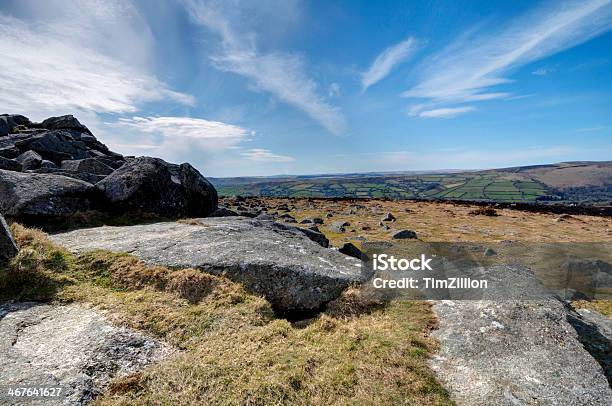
583, 182
449, 186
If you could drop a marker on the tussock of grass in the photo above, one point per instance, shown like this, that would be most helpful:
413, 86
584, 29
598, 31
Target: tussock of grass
233, 349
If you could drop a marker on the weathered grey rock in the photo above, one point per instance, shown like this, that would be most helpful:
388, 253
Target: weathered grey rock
48, 164
223, 212
266, 216
29, 160
4, 127
152, 185
595, 333
71, 347
84, 176
8, 247
351, 250
33, 195
489, 252
339, 226
89, 165
515, 353
10, 164
9, 152
56, 146
68, 122
12, 121
404, 234
275, 260
314, 235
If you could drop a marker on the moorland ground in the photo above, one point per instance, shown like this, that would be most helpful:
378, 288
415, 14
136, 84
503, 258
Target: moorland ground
233, 349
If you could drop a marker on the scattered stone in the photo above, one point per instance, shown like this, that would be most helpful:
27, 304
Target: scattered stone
389, 217
306, 221
366, 228
287, 217
351, 250
404, 235
71, 347
484, 211
566, 217
8, 247
314, 228
223, 212
29, 160
272, 259
152, 185
339, 226
329, 215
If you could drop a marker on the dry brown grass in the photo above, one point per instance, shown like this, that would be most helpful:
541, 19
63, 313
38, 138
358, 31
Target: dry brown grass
233, 349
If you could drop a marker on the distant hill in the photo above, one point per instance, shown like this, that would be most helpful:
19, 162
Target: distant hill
577, 182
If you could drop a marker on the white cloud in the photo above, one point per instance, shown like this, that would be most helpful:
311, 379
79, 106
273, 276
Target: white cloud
59, 65
447, 112
280, 74
386, 61
264, 155
204, 134
471, 66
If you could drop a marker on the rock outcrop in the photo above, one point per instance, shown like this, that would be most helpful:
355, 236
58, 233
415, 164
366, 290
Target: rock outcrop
70, 347
152, 185
53, 154
275, 260
8, 248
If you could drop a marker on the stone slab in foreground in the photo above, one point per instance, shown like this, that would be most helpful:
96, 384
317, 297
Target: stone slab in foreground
277, 261
515, 353
71, 347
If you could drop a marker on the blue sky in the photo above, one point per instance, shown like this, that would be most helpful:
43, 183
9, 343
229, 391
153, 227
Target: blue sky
295, 87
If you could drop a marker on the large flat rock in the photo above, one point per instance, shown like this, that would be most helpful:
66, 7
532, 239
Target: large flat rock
70, 347
515, 353
277, 261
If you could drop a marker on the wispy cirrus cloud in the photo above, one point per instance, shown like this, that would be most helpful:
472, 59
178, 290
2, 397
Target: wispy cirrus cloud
470, 67
386, 61
446, 112
280, 74
264, 155
52, 64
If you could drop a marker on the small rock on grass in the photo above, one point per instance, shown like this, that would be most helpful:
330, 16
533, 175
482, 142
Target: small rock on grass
405, 235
